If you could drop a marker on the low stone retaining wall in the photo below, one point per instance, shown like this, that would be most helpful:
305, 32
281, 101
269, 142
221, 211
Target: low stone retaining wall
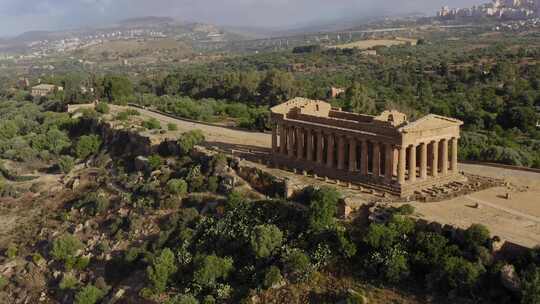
502, 166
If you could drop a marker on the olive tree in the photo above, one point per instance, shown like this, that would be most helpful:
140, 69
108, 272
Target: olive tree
265, 239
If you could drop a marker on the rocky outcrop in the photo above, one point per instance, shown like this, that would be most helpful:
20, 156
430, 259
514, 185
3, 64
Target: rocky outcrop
125, 142
262, 181
510, 278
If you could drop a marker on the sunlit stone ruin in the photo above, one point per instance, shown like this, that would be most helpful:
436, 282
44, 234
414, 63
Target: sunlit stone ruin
385, 152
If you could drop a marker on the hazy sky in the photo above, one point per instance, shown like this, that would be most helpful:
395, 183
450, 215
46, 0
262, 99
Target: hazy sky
17, 16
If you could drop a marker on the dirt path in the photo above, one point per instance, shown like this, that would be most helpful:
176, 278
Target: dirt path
214, 134
508, 210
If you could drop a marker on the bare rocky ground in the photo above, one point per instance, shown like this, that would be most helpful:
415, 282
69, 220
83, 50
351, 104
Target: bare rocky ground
516, 219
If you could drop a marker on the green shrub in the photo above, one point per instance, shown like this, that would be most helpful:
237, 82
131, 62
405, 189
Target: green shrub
235, 200
89, 295
102, 108
209, 299
195, 179
297, 265
11, 251
155, 161
476, 235
87, 145
213, 184
323, 208
161, 270
530, 286
68, 282
124, 115
460, 274
177, 187
190, 139
406, 209
210, 268
93, 203
354, 297
152, 124
65, 247
66, 163
79, 263
272, 277
395, 266
37, 258
3, 282
54, 141
89, 113
172, 127
172, 202
183, 299
265, 239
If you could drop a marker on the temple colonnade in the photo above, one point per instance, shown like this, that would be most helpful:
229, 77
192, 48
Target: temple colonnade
365, 156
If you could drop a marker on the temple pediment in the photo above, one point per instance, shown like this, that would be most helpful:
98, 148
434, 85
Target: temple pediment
431, 122
303, 106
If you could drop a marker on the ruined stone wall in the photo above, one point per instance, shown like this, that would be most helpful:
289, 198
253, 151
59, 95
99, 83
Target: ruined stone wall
262, 181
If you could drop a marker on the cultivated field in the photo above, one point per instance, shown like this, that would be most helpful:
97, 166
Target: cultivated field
367, 44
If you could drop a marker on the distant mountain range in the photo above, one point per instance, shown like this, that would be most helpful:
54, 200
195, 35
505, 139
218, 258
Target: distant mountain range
172, 27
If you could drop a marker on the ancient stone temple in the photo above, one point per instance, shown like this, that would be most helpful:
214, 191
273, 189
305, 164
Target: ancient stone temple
385, 152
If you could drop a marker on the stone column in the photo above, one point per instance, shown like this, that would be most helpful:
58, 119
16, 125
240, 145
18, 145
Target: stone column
299, 143
412, 164
290, 142
396, 162
283, 139
376, 159
389, 163
444, 156
274, 138
310, 144
435, 159
341, 152
330, 151
365, 160
320, 147
352, 155
402, 152
423, 160
454, 161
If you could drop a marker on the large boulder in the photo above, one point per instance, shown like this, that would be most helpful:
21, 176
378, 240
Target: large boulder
142, 163
227, 183
510, 278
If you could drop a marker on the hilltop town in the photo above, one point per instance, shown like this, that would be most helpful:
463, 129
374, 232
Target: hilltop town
499, 9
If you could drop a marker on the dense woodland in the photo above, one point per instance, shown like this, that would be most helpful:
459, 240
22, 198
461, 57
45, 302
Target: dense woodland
493, 87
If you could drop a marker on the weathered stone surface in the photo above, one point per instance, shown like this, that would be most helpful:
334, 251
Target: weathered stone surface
311, 135
344, 208
141, 163
510, 279
227, 183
